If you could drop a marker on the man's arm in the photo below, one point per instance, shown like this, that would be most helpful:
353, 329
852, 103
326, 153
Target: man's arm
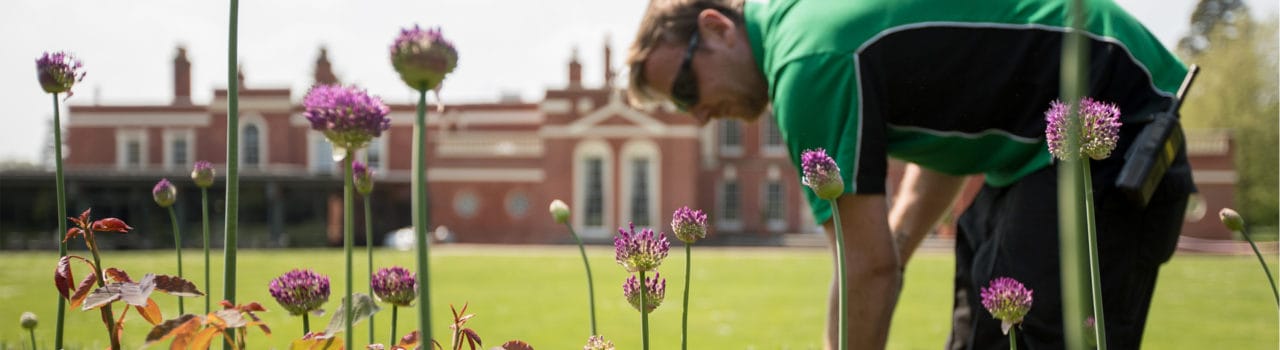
922, 199
873, 273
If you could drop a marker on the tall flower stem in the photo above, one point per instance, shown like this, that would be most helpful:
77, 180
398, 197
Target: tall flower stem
843, 290
1262, 261
591, 292
1071, 218
684, 315
232, 211
1091, 231
420, 215
33, 338
204, 223
306, 323
1013, 338
644, 313
368, 247
395, 313
177, 247
348, 240
60, 211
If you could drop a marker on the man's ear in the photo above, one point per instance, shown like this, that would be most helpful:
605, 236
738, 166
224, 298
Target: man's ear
716, 28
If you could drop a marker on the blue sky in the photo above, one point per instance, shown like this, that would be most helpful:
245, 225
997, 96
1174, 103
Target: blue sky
511, 47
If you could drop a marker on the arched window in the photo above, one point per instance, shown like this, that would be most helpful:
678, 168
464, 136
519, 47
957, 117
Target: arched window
592, 188
250, 153
641, 162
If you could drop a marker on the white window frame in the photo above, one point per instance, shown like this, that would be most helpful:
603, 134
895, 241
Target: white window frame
381, 142
774, 176
725, 223
581, 152
264, 154
766, 124
632, 150
725, 149
314, 138
123, 137
171, 135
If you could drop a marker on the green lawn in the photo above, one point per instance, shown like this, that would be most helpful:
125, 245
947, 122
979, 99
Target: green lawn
743, 298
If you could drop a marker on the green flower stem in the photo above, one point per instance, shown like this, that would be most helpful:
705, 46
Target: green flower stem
177, 247
348, 239
232, 211
60, 211
306, 323
684, 315
1091, 231
420, 216
644, 315
395, 313
1262, 261
204, 222
1013, 338
591, 291
33, 338
1071, 220
841, 303
368, 247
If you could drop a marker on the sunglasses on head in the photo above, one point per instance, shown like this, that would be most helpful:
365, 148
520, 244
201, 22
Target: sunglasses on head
684, 90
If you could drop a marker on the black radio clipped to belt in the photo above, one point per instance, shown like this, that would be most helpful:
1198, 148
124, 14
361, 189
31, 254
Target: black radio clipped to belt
1154, 149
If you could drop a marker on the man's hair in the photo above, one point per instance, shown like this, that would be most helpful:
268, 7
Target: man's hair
668, 22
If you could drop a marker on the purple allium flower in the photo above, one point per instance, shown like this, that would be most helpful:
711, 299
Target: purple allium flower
559, 211
423, 57
655, 289
164, 193
363, 177
28, 320
821, 174
1100, 129
300, 291
58, 71
641, 251
1231, 219
689, 225
395, 285
1007, 300
202, 174
349, 117
597, 342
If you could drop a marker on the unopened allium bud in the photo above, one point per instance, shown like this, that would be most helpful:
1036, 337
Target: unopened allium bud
640, 251
58, 72
300, 291
1231, 219
363, 177
202, 174
29, 320
164, 193
1007, 300
655, 289
349, 117
395, 285
821, 174
689, 225
559, 211
423, 57
1100, 129
597, 342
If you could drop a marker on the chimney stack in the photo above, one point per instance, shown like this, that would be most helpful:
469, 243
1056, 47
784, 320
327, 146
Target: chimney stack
608, 66
181, 78
324, 71
575, 71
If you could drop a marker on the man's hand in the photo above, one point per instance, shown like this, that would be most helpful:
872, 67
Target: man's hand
923, 197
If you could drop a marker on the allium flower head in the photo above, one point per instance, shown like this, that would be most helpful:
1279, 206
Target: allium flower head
395, 285
58, 72
597, 342
689, 225
821, 174
655, 289
300, 291
363, 177
202, 174
559, 211
423, 57
349, 117
1100, 129
1231, 219
1007, 300
28, 320
164, 193
641, 251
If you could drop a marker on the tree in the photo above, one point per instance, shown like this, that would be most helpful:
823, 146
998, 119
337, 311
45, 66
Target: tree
1222, 16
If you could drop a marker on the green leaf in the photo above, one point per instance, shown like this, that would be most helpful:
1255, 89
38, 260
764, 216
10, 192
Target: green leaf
363, 307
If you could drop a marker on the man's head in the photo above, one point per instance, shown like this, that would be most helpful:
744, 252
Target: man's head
696, 54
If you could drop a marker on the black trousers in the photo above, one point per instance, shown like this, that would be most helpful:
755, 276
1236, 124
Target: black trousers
1012, 231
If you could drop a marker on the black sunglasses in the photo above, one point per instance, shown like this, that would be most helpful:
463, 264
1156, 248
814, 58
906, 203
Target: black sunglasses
684, 90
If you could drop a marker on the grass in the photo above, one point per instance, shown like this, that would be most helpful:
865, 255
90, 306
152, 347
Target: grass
743, 298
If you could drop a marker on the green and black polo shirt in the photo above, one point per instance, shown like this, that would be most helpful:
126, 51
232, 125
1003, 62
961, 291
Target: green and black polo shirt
959, 87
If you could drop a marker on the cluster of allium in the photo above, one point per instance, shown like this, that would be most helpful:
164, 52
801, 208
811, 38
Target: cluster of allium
363, 177
689, 225
58, 72
300, 291
642, 251
395, 285
1007, 300
423, 57
597, 342
164, 193
821, 174
655, 289
349, 117
202, 174
1100, 129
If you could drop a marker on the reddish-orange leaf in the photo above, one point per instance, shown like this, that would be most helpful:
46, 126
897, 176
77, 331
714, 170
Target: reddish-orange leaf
176, 286
83, 290
202, 340
72, 233
516, 345
226, 304
473, 339
62, 277
253, 306
151, 313
111, 225
317, 343
185, 324
409, 340
117, 275
81, 221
